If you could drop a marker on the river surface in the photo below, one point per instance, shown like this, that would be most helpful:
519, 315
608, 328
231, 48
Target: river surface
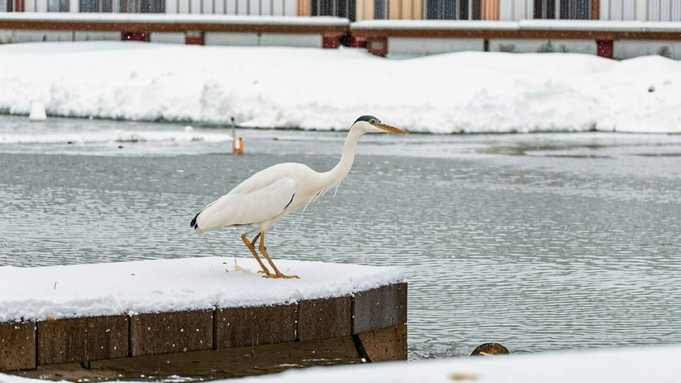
536, 241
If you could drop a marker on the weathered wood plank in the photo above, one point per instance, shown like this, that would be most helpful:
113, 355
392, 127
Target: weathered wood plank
17, 345
82, 339
324, 318
171, 332
378, 308
252, 326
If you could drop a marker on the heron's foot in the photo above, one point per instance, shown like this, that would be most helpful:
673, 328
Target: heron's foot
267, 274
281, 275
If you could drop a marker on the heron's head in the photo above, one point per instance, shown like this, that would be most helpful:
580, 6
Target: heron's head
371, 124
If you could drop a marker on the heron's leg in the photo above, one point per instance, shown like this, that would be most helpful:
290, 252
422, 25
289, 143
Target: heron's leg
263, 251
251, 247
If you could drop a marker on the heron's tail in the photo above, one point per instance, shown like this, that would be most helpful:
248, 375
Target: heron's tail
194, 224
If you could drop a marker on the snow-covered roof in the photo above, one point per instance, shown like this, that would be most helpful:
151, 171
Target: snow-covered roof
163, 18
534, 25
435, 25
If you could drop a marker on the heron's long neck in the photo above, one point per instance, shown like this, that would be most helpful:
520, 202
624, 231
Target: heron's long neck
334, 176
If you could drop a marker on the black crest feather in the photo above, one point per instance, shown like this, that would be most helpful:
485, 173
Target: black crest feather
367, 118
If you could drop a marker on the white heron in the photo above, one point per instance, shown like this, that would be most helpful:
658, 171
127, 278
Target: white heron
272, 193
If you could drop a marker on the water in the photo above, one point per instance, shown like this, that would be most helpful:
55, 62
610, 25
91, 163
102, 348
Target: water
539, 242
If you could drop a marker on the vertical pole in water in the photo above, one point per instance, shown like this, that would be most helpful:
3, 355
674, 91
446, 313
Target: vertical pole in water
233, 136
237, 146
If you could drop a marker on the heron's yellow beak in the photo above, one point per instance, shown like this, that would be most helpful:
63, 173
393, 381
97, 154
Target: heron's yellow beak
390, 129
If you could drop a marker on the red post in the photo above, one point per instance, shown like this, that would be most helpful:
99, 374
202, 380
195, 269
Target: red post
134, 36
194, 38
605, 48
378, 46
19, 6
330, 40
357, 42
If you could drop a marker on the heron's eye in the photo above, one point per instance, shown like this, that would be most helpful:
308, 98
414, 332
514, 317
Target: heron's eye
372, 121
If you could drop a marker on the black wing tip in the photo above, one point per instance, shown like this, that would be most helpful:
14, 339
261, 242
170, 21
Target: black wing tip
194, 224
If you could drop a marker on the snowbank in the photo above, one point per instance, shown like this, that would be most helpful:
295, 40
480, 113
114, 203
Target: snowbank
329, 89
626, 365
173, 285
652, 364
108, 136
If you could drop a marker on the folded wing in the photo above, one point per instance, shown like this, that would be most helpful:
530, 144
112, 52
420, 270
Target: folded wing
250, 203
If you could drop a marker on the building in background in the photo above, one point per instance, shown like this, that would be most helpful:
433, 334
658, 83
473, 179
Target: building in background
505, 10
123, 6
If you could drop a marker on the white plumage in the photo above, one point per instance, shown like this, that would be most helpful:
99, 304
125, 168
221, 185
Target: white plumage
273, 193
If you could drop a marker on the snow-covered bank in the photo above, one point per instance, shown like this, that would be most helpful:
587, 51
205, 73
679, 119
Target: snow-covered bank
328, 89
649, 364
93, 137
624, 365
173, 285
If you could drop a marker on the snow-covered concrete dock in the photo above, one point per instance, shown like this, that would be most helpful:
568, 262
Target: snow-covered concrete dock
56, 292
96, 312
